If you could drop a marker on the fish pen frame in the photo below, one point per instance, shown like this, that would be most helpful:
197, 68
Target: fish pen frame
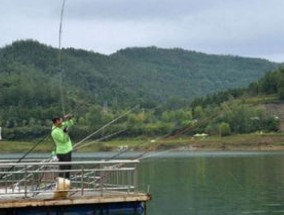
30, 179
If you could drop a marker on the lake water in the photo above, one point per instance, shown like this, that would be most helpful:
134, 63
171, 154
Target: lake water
209, 183
215, 183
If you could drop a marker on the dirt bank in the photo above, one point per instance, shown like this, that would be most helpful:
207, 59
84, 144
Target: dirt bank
263, 142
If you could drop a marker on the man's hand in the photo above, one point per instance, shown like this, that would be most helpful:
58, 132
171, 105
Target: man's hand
68, 116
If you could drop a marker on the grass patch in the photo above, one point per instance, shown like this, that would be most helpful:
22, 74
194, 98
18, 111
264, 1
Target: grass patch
24, 146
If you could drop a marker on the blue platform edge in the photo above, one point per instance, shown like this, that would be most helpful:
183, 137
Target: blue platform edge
124, 208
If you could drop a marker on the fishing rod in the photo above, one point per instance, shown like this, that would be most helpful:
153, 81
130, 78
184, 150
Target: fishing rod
50, 160
61, 91
105, 126
142, 155
44, 162
182, 131
101, 139
21, 158
36, 145
79, 143
60, 58
168, 136
44, 138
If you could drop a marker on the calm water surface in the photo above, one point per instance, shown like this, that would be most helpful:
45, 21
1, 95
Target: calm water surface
209, 183
215, 183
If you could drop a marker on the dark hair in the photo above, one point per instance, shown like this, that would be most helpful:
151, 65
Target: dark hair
55, 119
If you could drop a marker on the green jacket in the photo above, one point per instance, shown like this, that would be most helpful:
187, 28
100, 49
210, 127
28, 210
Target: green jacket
62, 140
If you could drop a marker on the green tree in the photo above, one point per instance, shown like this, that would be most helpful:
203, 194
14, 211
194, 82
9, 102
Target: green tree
198, 112
224, 129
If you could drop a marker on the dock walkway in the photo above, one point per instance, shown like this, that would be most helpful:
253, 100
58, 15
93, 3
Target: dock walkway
93, 185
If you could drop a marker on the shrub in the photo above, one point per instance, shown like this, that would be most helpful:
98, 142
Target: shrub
224, 129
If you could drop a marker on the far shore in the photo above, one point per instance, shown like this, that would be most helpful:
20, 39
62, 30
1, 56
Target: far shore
246, 142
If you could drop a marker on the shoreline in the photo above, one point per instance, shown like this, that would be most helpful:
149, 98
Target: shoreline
244, 142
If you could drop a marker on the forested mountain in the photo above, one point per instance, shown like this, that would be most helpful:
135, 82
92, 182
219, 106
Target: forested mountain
31, 73
130, 76
188, 74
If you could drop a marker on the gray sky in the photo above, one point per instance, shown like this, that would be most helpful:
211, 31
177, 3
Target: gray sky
249, 28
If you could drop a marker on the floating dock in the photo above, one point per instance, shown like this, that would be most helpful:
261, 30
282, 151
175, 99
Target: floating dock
95, 187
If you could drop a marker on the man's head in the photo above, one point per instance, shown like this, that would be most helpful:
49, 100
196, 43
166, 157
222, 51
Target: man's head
57, 121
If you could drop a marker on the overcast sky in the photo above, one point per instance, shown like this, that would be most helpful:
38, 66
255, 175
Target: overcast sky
249, 28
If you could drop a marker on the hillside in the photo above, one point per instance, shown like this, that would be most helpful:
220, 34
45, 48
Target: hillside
130, 76
98, 88
276, 109
190, 74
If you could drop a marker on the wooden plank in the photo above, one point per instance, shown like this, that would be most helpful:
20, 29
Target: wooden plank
77, 200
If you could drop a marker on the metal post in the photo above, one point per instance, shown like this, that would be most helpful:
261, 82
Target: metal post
82, 180
135, 178
25, 181
101, 179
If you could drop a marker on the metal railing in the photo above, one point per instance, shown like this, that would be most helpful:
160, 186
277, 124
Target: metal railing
32, 179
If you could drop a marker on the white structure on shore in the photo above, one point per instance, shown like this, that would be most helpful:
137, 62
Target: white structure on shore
0, 133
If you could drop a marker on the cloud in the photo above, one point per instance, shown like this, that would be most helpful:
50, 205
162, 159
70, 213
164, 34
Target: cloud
245, 27
132, 9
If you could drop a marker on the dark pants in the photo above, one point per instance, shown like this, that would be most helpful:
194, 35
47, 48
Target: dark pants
65, 158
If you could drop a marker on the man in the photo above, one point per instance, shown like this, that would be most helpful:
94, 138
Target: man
63, 142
